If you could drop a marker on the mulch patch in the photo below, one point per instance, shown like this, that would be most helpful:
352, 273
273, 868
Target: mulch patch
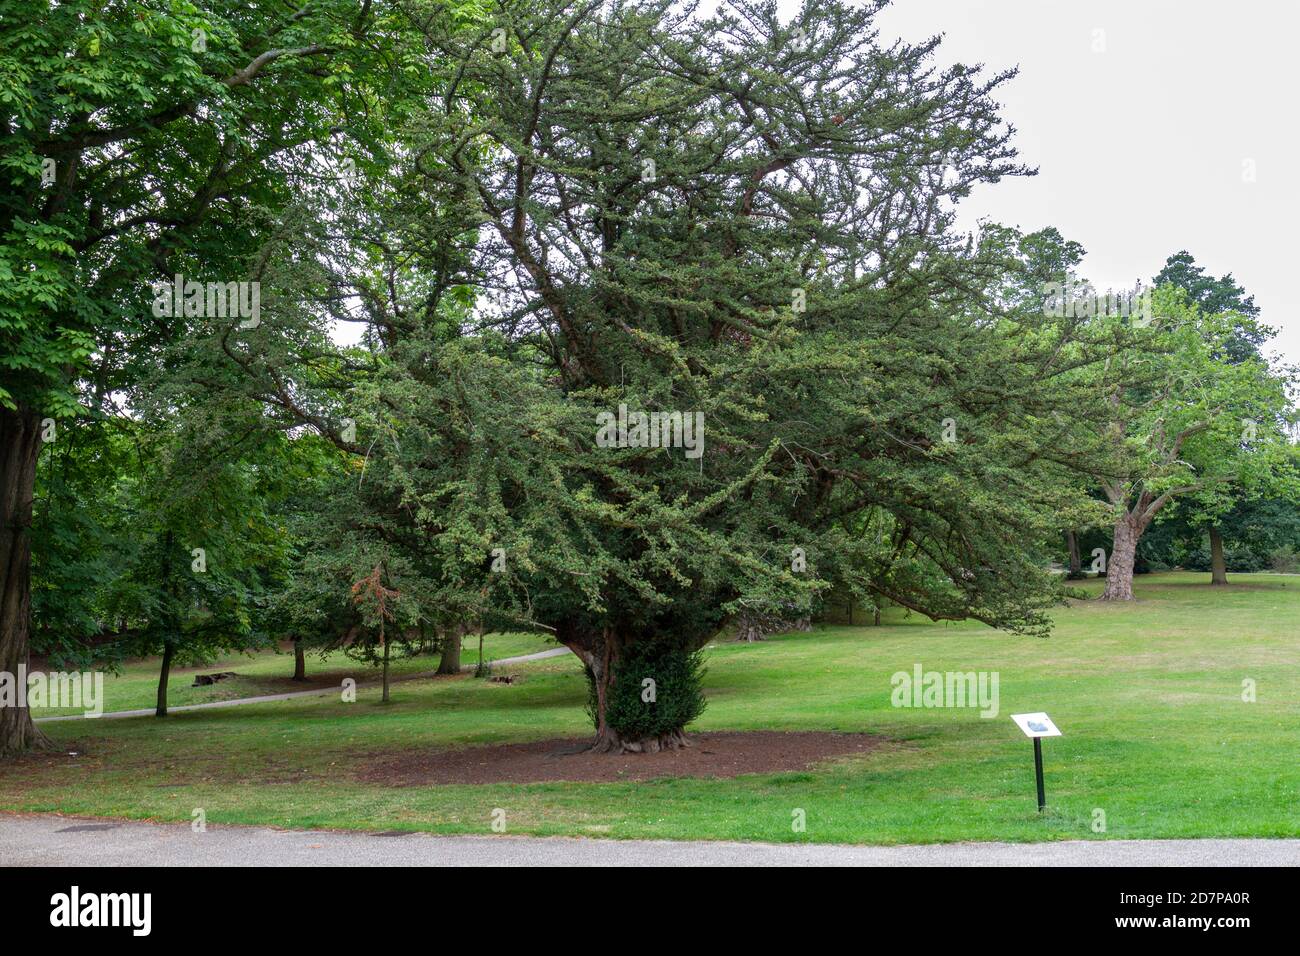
717, 754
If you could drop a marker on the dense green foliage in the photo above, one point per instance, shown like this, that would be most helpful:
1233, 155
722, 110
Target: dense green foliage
1214, 297
725, 240
139, 143
658, 689
540, 218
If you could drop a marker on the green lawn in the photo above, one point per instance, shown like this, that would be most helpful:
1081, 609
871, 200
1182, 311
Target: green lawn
269, 672
1149, 697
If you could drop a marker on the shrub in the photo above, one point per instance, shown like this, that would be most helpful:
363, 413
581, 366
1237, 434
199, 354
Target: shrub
1284, 561
678, 696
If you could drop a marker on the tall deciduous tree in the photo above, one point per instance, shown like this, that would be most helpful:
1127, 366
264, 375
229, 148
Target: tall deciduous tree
1186, 421
1217, 510
138, 142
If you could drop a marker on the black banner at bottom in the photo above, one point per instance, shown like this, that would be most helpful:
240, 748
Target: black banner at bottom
334, 906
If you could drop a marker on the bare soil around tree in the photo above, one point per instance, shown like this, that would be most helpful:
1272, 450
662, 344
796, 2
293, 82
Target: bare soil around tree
717, 754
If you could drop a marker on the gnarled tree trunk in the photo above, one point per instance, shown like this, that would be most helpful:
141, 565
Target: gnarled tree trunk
1218, 566
609, 741
20, 445
1123, 555
755, 625
600, 654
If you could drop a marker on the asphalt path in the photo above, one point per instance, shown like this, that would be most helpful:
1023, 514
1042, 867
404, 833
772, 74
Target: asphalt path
48, 840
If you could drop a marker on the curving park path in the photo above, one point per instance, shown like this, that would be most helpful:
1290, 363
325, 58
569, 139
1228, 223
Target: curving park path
314, 692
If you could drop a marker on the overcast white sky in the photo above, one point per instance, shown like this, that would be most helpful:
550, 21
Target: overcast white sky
1140, 148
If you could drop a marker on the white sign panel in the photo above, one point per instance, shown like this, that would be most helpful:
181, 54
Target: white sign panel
1036, 725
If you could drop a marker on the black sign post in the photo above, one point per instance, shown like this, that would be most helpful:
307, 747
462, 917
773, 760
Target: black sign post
1038, 771
1035, 727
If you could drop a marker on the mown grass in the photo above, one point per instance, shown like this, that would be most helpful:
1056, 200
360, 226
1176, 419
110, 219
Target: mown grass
1148, 695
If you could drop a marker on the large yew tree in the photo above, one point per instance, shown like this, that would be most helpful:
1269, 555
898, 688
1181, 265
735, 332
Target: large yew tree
633, 204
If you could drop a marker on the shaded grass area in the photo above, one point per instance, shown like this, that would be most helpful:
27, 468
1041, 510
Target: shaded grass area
135, 686
1148, 695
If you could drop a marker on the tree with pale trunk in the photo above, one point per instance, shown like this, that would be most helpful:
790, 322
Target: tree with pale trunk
1186, 422
1218, 508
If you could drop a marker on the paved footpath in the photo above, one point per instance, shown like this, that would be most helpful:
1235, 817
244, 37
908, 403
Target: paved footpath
314, 692
47, 840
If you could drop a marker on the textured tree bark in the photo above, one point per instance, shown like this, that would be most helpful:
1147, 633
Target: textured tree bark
1119, 568
20, 445
164, 673
299, 660
600, 654
1218, 567
609, 741
449, 640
